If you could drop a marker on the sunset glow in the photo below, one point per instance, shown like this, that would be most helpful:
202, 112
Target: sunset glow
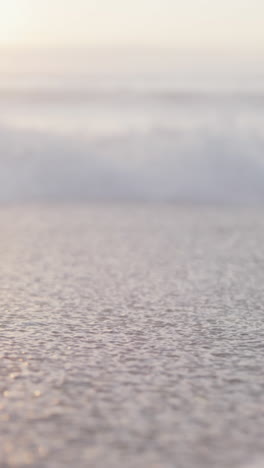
196, 24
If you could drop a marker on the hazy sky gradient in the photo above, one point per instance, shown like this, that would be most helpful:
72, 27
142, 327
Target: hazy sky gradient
193, 24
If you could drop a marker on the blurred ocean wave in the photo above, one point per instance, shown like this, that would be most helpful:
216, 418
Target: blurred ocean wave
103, 140
130, 95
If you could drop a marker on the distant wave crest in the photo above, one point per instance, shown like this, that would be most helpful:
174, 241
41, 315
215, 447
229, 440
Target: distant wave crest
211, 158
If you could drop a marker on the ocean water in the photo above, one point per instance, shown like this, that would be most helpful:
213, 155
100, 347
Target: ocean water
134, 135
131, 335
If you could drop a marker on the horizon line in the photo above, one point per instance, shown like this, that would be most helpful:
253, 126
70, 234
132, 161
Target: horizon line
140, 47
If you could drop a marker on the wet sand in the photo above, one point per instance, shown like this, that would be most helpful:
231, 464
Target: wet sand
131, 336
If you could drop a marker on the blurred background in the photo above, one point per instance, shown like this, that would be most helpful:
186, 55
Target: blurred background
144, 100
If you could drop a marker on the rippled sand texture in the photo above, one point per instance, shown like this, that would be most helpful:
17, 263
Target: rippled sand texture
131, 336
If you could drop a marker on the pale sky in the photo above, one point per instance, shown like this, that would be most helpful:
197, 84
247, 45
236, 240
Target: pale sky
190, 24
